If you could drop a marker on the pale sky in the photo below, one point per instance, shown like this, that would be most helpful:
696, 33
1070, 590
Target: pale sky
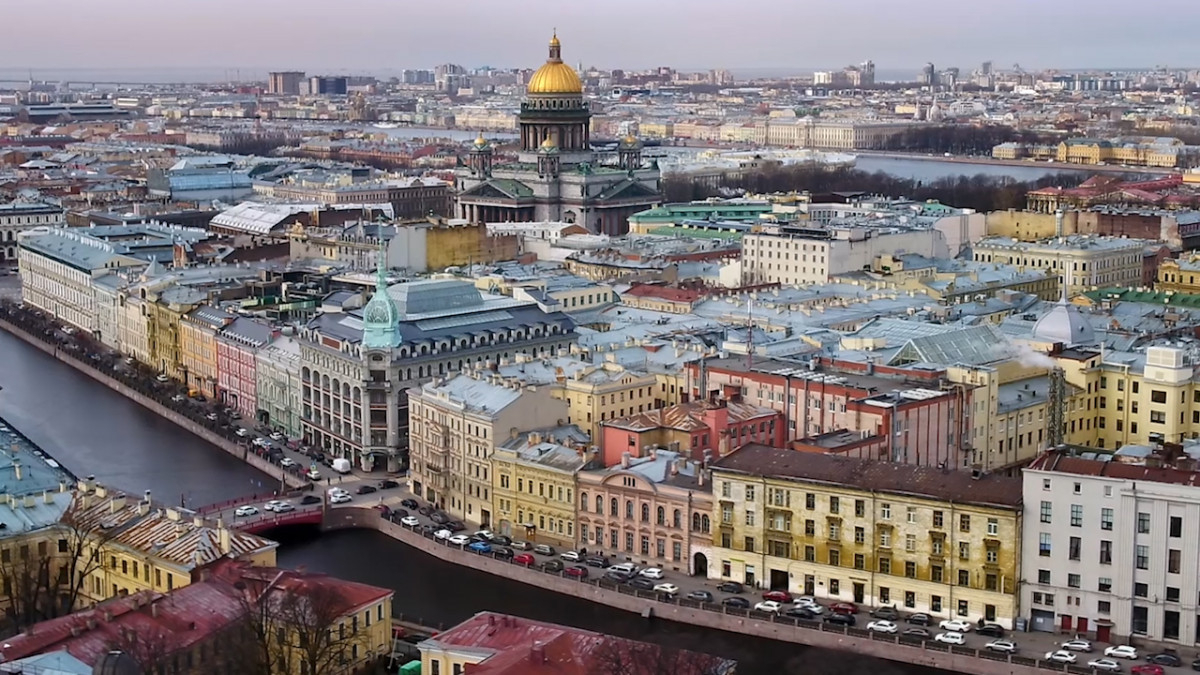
372, 36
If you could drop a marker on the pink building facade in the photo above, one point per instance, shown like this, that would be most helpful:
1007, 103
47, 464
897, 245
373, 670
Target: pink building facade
654, 511
237, 357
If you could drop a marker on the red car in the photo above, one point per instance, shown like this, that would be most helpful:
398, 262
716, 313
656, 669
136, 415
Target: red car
1147, 669
523, 559
576, 571
778, 596
844, 608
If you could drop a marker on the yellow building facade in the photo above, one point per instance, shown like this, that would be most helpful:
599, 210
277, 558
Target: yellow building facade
875, 533
198, 347
534, 490
1179, 275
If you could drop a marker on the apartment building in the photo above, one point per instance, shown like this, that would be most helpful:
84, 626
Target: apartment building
652, 509
17, 217
533, 487
455, 425
697, 429
1085, 260
237, 360
793, 257
1109, 545
924, 539
277, 384
198, 346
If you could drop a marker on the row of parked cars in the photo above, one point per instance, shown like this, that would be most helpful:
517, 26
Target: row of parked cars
1069, 654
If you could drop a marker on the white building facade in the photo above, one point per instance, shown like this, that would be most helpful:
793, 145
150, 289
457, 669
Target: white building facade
1111, 549
18, 217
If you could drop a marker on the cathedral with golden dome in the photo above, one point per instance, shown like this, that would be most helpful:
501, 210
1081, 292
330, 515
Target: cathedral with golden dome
557, 175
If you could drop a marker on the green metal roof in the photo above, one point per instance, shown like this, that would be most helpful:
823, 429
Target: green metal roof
1189, 300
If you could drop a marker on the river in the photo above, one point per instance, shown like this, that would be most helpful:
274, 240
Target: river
92, 430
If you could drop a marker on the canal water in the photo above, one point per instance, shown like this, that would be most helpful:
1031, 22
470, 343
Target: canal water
93, 430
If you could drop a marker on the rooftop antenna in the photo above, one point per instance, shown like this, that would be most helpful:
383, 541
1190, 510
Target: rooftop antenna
750, 336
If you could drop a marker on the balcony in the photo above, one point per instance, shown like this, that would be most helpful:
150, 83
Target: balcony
385, 385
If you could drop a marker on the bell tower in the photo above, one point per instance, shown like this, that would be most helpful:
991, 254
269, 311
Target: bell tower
480, 161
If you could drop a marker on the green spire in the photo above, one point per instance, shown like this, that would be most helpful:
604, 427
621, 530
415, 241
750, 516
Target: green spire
381, 319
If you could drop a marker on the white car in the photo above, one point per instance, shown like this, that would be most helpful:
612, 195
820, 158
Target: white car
162, 378
882, 626
669, 589
569, 556
1060, 656
274, 505
485, 534
951, 638
339, 498
410, 521
808, 603
768, 606
313, 474
651, 573
276, 436
443, 534
1077, 645
242, 432
243, 511
287, 462
1122, 652
955, 625
1002, 646
1104, 664
459, 540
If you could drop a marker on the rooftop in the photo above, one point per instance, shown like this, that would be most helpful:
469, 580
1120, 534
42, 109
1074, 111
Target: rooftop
872, 475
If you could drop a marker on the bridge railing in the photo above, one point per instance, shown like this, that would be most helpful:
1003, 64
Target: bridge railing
239, 501
273, 520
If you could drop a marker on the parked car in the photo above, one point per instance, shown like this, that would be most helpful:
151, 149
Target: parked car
365, 489
596, 561
456, 526
777, 596
388, 484
918, 619
886, 613
1165, 659
522, 559
569, 556
951, 638
440, 517
409, 503
922, 633
521, 545
503, 552
423, 510
552, 566
1107, 665
841, 619
955, 625
443, 534
339, 498
666, 589
1002, 646
882, 626
243, 511
1060, 656
459, 540
844, 608
736, 601
410, 521
544, 549
618, 576
991, 630
1147, 669
577, 571
700, 596
1077, 645
308, 500
652, 573
312, 474
730, 587
480, 547
502, 540
483, 534
798, 612
641, 583
1121, 652
772, 606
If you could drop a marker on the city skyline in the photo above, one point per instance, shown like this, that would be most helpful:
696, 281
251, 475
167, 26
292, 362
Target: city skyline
693, 35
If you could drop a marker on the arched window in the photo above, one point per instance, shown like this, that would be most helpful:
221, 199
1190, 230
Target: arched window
645, 513
704, 523
583, 501
628, 509
661, 516
678, 521
612, 507
600, 505
696, 522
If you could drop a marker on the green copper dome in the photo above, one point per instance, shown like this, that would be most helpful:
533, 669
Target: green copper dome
381, 319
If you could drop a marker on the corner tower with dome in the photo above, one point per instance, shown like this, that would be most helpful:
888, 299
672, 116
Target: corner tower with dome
557, 176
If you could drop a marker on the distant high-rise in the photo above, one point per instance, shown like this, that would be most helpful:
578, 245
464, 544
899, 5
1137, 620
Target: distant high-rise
286, 83
928, 75
987, 68
328, 85
867, 73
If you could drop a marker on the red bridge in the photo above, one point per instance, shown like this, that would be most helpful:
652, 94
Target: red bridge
262, 523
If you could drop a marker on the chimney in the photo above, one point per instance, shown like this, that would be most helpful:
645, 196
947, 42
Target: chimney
16, 464
226, 540
107, 616
180, 528
154, 610
1058, 223
28, 501
116, 503
146, 496
537, 653
700, 476
46, 497
625, 457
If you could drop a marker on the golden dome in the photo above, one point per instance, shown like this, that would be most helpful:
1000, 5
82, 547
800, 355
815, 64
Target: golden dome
631, 140
555, 77
549, 144
481, 141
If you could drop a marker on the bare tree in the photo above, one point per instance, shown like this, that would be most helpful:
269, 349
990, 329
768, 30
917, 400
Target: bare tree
300, 629
151, 651
618, 656
43, 577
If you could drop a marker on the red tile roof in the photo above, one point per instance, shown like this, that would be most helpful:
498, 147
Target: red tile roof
521, 646
1061, 462
669, 293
